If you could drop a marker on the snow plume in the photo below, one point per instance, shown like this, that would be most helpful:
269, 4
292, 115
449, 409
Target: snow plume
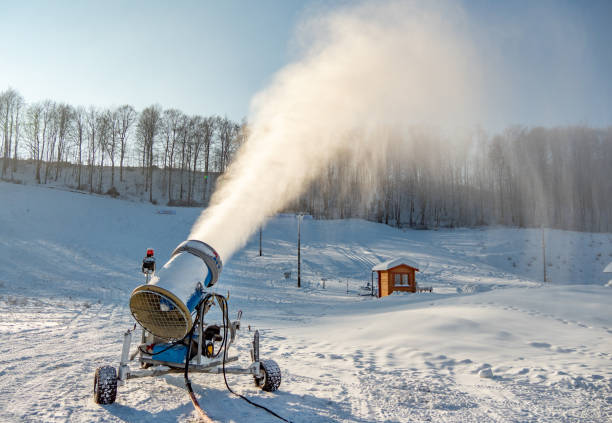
365, 74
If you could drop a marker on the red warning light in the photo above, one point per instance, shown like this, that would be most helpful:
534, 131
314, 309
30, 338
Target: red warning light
150, 252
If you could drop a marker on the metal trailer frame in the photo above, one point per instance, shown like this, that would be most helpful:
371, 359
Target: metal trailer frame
266, 373
198, 364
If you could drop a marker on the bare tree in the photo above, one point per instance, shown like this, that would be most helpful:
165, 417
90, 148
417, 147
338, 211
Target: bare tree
183, 139
198, 139
208, 133
126, 116
79, 133
52, 131
92, 119
171, 127
10, 105
105, 129
65, 114
113, 138
148, 127
49, 135
227, 132
17, 131
33, 127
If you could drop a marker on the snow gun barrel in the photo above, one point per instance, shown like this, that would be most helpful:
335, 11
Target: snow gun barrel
164, 306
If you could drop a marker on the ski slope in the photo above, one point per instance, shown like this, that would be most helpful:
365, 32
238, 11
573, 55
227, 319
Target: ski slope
69, 261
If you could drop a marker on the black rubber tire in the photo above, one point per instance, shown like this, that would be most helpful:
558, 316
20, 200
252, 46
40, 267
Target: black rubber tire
271, 379
105, 385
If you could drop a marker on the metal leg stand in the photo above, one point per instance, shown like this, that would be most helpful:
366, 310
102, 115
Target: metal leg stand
125, 353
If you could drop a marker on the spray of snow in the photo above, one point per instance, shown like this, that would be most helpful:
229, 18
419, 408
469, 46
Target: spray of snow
365, 74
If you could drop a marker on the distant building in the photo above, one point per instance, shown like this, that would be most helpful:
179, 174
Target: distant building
396, 275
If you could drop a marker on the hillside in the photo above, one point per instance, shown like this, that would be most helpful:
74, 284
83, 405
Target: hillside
69, 261
131, 187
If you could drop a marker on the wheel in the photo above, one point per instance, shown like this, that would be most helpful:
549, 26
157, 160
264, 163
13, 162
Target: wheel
105, 385
271, 379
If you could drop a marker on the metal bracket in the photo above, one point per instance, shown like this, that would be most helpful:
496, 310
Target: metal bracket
200, 335
256, 346
124, 369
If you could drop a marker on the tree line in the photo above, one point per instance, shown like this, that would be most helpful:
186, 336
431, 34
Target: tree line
557, 177
59, 137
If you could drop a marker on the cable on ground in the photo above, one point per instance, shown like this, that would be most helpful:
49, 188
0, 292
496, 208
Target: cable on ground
222, 301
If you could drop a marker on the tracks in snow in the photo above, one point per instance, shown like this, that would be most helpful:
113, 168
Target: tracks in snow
431, 388
51, 362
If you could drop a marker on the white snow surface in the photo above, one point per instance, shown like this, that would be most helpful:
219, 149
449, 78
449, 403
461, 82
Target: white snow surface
69, 261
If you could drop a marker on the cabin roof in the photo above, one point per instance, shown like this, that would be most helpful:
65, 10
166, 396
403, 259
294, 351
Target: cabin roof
390, 264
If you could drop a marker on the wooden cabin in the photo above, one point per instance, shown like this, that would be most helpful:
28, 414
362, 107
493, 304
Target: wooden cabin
396, 275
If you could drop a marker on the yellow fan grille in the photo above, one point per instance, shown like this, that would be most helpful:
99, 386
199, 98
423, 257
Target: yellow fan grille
160, 312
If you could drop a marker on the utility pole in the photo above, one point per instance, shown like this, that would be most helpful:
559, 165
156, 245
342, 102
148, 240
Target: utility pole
543, 254
299, 216
260, 230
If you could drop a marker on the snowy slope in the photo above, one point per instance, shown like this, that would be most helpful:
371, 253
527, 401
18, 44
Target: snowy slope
132, 187
69, 261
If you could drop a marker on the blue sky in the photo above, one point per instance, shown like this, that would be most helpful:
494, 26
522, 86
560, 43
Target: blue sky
203, 57
210, 57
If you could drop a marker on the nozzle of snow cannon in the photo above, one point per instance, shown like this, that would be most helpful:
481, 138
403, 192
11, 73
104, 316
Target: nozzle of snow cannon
164, 306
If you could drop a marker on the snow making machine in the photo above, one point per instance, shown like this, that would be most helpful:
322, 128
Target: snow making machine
171, 309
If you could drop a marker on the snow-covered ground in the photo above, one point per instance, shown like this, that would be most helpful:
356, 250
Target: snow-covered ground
69, 261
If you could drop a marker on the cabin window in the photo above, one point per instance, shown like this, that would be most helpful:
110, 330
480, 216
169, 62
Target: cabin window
401, 279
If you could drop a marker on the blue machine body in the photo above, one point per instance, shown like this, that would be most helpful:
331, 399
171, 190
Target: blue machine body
176, 354
195, 297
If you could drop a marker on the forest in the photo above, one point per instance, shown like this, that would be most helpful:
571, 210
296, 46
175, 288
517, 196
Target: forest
556, 177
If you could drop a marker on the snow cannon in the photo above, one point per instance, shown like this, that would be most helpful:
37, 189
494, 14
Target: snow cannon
164, 306
171, 307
